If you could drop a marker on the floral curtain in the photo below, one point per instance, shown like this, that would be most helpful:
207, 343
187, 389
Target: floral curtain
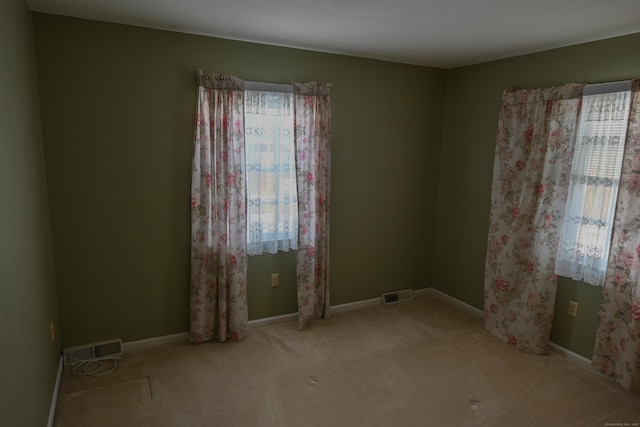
218, 307
313, 169
588, 219
530, 181
617, 348
272, 210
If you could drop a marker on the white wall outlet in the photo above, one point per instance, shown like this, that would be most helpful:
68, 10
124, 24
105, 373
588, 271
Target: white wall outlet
573, 309
275, 280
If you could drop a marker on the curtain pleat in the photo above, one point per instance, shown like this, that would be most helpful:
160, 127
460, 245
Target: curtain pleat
218, 306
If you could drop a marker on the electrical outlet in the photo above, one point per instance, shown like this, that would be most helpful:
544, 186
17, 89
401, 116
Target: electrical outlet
275, 280
573, 309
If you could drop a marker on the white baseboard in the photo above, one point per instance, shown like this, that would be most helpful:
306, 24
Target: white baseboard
575, 357
340, 308
184, 336
54, 397
422, 292
356, 305
256, 323
371, 302
578, 359
461, 305
274, 320
156, 341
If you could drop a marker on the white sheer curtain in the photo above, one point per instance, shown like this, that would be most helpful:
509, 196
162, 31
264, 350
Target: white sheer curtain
272, 209
595, 177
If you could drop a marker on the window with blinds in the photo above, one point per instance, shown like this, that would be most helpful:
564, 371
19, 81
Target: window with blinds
598, 154
588, 218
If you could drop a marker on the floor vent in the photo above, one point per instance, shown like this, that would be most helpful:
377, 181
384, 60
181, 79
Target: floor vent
397, 296
94, 351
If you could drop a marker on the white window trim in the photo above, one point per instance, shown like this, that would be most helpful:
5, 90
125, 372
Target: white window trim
268, 87
599, 88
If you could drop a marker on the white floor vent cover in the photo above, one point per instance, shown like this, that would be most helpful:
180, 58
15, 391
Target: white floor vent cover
94, 351
397, 296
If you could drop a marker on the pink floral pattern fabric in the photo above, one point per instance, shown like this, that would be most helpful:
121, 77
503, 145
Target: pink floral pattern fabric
313, 170
617, 349
530, 182
218, 298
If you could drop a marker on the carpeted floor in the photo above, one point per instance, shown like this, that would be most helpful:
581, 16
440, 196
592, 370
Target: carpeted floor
421, 363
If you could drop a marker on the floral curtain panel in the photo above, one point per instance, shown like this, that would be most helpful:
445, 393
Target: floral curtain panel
313, 167
530, 181
617, 349
218, 307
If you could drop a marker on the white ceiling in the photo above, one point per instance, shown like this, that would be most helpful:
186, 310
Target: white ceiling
438, 33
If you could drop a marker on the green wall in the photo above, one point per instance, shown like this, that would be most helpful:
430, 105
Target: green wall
411, 174
28, 359
473, 100
118, 105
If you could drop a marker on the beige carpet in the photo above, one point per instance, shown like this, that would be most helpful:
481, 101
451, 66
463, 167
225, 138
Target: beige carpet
421, 363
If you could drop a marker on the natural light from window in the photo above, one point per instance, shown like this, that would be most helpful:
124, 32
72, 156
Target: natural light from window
272, 211
595, 174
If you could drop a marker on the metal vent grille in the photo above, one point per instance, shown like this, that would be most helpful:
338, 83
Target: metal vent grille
112, 348
397, 297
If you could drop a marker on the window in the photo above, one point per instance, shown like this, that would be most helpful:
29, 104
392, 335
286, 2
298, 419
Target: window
585, 234
272, 205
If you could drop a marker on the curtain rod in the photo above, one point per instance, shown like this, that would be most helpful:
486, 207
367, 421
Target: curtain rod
608, 87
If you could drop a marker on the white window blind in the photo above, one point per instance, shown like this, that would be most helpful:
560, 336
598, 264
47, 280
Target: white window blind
585, 233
